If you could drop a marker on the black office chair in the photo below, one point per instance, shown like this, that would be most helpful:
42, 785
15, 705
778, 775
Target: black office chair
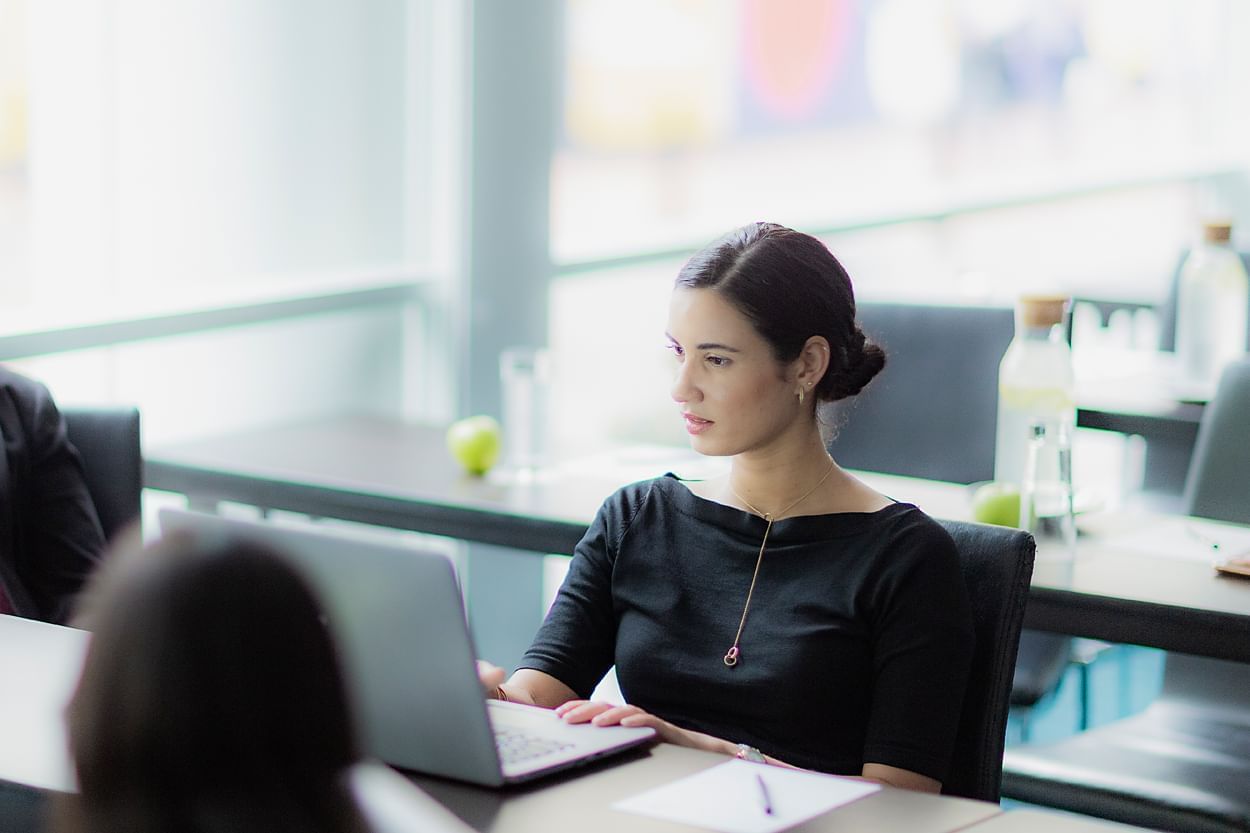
1218, 482
108, 441
933, 413
1183, 764
997, 565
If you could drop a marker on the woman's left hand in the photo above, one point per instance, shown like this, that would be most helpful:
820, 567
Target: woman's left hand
609, 714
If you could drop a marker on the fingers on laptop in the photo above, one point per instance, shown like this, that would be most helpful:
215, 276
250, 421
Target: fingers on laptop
601, 714
582, 711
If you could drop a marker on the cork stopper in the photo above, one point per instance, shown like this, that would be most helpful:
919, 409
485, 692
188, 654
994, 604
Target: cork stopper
1039, 311
1217, 231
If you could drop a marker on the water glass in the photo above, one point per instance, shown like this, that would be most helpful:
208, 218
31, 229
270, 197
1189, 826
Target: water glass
1046, 504
525, 377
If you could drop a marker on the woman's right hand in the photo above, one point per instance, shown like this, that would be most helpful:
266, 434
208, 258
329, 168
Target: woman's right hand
611, 714
492, 676
527, 686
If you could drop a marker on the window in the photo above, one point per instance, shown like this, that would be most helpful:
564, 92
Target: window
685, 119
157, 154
945, 150
14, 169
166, 158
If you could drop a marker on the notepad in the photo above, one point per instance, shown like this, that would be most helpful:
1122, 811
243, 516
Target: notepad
1188, 539
728, 797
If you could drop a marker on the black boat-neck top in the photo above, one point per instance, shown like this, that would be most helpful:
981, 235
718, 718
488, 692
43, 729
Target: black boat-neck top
856, 647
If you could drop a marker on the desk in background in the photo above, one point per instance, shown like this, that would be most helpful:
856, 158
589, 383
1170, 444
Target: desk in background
398, 475
385, 472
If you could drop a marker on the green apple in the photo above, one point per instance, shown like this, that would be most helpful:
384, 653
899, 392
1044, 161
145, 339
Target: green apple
475, 441
997, 503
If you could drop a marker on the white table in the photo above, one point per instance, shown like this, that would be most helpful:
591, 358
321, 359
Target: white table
40, 665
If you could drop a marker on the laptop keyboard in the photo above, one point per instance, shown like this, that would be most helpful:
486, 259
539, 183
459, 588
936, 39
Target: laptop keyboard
515, 745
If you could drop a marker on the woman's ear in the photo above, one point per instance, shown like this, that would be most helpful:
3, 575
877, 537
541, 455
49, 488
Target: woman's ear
812, 362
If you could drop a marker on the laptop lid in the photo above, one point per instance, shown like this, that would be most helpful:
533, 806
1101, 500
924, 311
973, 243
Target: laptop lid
398, 617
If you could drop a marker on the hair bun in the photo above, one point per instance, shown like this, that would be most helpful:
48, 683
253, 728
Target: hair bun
862, 362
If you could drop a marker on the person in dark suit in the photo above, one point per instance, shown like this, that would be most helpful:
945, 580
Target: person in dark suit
50, 537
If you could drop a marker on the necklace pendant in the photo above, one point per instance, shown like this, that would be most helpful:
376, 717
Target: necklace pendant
731, 657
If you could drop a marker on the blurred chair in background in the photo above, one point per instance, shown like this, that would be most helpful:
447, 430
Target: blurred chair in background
932, 413
1218, 483
1183, 764
109, 443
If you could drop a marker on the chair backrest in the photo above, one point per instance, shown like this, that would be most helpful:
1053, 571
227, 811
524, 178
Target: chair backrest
107, 439
932, 412
1218, 483
1218, 487
997, 565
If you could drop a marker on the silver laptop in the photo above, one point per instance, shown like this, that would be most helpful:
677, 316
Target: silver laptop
408, 658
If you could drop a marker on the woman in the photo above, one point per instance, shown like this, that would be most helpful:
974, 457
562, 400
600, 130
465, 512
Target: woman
211, 698
785, 606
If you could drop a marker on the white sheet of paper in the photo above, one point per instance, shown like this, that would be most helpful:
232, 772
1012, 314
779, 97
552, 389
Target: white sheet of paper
1185, 538
728, 798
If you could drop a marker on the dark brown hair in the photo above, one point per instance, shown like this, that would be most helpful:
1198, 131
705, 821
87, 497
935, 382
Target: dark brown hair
211, 699
791, 287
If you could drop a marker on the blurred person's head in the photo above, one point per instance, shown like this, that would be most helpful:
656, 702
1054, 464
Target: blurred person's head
211, 698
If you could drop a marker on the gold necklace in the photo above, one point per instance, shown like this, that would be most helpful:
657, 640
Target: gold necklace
734, 652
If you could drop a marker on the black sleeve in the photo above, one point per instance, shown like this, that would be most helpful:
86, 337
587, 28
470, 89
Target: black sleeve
59, 540
577, 642
923, 652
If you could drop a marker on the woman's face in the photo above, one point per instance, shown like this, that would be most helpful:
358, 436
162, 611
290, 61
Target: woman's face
733, 394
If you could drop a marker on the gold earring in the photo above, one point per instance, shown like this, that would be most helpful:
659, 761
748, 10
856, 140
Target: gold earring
801, 395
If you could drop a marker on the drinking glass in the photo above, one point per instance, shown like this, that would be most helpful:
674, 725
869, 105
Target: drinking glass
525, 376
1046, 505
